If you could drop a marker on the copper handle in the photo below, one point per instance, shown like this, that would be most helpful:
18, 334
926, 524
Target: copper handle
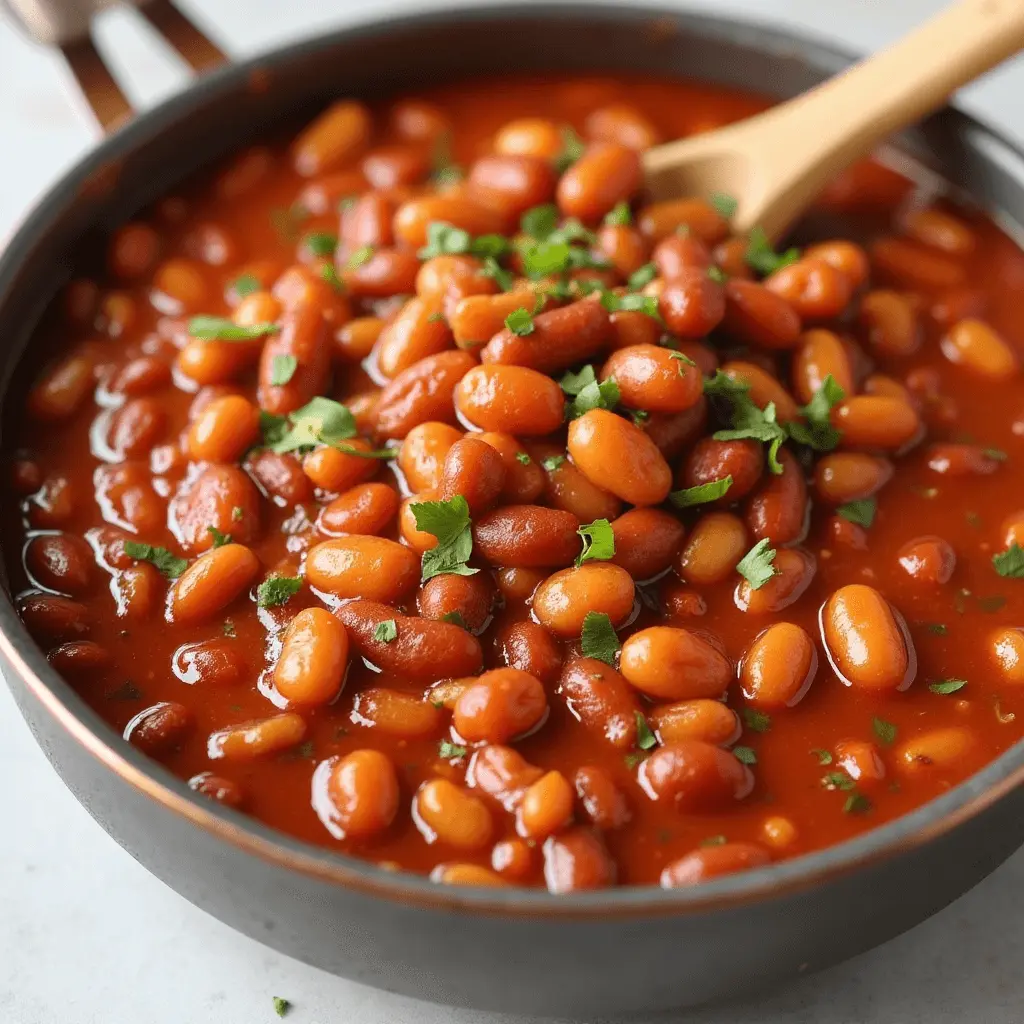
68, 26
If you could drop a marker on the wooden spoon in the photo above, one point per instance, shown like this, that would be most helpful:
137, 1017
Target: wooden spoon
776, 163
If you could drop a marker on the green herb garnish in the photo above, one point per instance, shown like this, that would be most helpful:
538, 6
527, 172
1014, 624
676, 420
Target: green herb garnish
169, 564
599, 639
449, 522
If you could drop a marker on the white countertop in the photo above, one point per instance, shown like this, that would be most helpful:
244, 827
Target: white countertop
88, 937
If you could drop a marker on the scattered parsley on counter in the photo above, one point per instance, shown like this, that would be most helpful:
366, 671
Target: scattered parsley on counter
281, 1006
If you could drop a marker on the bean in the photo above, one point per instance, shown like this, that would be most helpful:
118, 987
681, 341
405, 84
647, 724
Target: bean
499, 706
414, 216
216, 362
779, 509
730, 257
860, 760
623, 247
259, 738
368, 222
631, 327
26, 476
387, 272
576, 860
603, 802
928, 559
654, 378
224, 430
337, 137
137, 591
476, 319
528, 536
529, 647
246, 170
1007, 649
779, 666
212, 582
511, 184
701, 719
422, 649
566, 488
210, 499
713, 862
466, 874
794, 571
676, 254
560, 338
281, 477
659, 220
354, 341
1012, 530
694, 777
421, 457
601, 699
717, 542
546, 807
136, 427
672, 434
416, 120
939, 749
524, 479
412, 336
847, 257
60, 561
710, 461
395, 713
502, 774
756, 316
622, 123
331, 469
62, 390
133, 251
959, 460
691, 304
813, 288
446, 813
911, 265
612, 451
304, 338
606, 174
50, 618
866, 642
647, 541
679, 601
671, 663
975, 346
417, 539
445, 279
118, 313
840, 477
216, 787
872, 421
363, 793
363, 509
764, 388
820, 354
468, 597
474, 470
79, 658
563, 600
79, 299
159, 729
209, 663
179, 287
141, 376
512, 399
314, 655
529, 136
372, 568
889, 321
940, 231
388, 166
958, 304
126, 497
363, 406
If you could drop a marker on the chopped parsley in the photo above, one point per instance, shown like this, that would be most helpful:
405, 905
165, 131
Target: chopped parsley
717, 274
718, 840
598, 639
540, 221
756, 721
321, 243
386, 631
228, 628
885, 731
281, 1006
823, 756
749, 421
277, 590
283, 369
756, 565
520, 322
328, 274
995, 454
760, 255
701, 494
818, 432
552, 462
645, 738
169, 564
444, 239
246, 285
288, 220
724, 204
937, 628
945, 686
572, 149
450, 751
455, 618
523, 458
219, 539
449, 522
632, 303
620, 215
642, 277
219, 328
838, 780
504, 278
721, 385
856, 803
319, 421
587, 393
861, 512
359, 257
992, 603
598, 542
437, 318
1010, 563
237, 513
745, 755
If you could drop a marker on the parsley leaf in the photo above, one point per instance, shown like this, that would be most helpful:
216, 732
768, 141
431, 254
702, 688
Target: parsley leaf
598, 639
717, 274
281, 1006
449, 522
319, 421
645, 738
937, 628
823, 756
493, 269
449, 751
1010, 563
588, 393
947, 685
700, 494
721, 385
856, 803
219, 539
360, 256
219, 328
446, 239
760, 255
647, 304
540, 221
275, 590
884, 730
246, 285
572, 149
552, 462
620, 215
748, 421
455, 618
642, 277
756, 721
745, 755
818, 432
598, 542
756, 565
861, 512
523, 458
228, 628
838, 780
169, 564
329, 274
520, 322
724, 204
386, 631
321, 243
283, 369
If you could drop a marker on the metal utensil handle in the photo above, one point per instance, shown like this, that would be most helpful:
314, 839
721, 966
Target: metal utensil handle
68, 26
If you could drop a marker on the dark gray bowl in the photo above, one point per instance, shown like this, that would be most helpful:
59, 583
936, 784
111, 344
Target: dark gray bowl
630, 949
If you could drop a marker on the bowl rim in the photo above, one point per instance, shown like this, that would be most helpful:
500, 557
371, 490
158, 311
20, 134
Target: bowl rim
152, 780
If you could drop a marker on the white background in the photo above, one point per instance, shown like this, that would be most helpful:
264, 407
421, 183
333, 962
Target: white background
88, 937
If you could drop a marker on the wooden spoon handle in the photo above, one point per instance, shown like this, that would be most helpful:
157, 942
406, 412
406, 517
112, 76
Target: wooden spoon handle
819, 134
